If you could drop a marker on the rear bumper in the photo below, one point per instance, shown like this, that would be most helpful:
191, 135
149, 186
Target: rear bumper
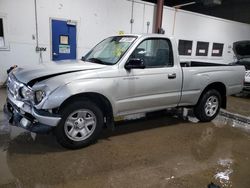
23, 115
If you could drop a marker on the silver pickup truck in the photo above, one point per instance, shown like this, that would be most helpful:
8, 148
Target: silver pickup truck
120, 76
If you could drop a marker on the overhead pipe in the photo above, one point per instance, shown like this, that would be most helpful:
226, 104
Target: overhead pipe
158, 20
177, 7
37, 35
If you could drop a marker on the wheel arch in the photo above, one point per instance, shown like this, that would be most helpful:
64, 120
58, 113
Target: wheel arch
221, 88
97, 98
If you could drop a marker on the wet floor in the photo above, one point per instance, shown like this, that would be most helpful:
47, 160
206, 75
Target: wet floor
159, 152
239, 104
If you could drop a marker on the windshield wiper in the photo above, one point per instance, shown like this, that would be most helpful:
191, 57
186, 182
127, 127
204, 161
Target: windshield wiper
96, 60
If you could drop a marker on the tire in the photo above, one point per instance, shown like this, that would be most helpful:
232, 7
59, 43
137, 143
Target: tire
80, 125
208, 106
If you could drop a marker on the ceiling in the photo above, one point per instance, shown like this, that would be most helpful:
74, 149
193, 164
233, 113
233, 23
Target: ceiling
236, 10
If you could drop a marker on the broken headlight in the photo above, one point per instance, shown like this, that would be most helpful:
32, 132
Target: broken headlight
26, 93
39, 95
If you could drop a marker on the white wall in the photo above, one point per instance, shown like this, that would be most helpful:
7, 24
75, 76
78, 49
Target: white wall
198, 27
20, 27
97, 19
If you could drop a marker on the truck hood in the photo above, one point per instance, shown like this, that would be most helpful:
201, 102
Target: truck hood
30, 76
242, 49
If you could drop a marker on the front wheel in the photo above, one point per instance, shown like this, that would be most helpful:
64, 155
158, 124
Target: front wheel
80, 125
208, 106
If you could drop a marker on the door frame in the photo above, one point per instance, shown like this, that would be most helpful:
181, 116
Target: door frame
50, 29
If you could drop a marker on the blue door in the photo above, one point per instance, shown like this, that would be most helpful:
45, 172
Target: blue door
63, 40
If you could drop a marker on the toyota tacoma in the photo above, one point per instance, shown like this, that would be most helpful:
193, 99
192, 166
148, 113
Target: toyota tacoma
120, 76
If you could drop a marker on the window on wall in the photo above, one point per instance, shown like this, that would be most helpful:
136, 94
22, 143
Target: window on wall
185, 47
3, 37
202, 48
217, 50
1, 34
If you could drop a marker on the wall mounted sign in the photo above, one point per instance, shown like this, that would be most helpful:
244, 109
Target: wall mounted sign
202, 51
64, 39
64, 49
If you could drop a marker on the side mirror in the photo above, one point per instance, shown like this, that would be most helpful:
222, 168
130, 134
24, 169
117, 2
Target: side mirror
135, 63
83, 58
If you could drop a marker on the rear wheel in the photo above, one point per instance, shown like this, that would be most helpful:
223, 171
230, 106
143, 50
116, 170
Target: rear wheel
208, 106
80, 125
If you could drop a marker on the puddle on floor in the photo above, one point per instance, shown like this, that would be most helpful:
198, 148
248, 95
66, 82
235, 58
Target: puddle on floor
161, 152
224, 172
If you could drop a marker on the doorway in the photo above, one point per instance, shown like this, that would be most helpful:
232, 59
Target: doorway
63, 39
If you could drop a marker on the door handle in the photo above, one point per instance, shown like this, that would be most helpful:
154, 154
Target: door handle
172, 76
55, 54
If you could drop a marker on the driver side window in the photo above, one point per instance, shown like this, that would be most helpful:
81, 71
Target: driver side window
155, 53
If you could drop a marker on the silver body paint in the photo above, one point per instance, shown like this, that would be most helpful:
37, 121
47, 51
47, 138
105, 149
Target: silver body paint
134, 91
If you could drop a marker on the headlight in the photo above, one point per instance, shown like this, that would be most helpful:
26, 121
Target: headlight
27, 93
39, 95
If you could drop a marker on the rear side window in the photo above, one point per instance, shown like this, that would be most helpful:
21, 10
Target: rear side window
155, 53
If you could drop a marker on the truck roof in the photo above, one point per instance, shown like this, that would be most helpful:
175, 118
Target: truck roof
148, 35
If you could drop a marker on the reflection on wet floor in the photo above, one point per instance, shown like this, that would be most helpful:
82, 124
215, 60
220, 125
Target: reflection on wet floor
157, 152
224, 175
233, 120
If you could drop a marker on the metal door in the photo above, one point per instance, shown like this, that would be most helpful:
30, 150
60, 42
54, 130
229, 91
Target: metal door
157, 86
63, 40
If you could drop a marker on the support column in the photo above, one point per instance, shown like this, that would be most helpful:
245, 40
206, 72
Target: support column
158, 19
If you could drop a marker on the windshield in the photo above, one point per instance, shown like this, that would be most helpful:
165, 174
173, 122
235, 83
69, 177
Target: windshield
110, 50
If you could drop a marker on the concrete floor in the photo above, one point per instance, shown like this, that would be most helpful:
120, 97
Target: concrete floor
239, 104
159, 152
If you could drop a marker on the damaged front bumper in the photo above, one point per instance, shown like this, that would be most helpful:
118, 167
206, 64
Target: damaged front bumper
24, 115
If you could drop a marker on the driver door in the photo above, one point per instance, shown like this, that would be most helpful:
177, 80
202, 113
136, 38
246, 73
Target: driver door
156, 86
